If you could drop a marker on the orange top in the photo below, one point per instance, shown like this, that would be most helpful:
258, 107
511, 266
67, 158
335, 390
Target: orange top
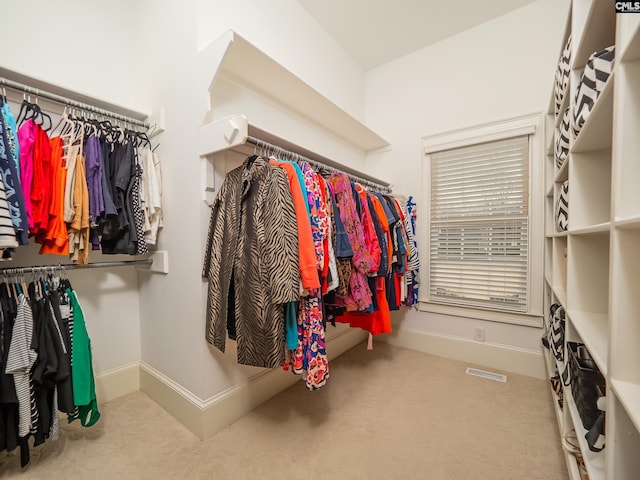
306, 247
56, 238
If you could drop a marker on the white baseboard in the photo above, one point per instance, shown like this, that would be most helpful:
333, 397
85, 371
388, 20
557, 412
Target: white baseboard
500, 357
117, 382
207, 417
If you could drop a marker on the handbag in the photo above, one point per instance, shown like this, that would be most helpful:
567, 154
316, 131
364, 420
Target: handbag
588, 388
562, 208
562, 76
598, 69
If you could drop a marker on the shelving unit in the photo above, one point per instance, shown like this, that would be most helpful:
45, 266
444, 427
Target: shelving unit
593, 269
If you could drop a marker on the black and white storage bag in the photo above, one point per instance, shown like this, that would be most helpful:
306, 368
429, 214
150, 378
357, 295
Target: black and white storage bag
561, 82
596, 72
556, 331
562, 208
562, 139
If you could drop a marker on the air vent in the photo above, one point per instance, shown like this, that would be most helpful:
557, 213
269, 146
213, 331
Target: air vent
484, 374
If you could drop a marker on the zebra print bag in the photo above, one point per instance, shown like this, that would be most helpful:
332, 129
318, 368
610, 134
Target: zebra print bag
596, 72
562, 76
562, 140
562, 208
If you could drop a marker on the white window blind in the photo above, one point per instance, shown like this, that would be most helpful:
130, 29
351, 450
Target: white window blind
479, 225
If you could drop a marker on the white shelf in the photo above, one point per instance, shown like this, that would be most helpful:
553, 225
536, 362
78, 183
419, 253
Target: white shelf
236, 58
565, 104
631, 223
598, 32
561, 295
549, 361
596, 133
594, 461
561, 234
593, 329
629, 396
592, 229
629, 38
562, 173
549, 191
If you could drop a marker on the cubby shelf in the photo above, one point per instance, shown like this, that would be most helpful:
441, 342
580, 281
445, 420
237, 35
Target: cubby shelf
594, 268
593, 329
630, 223
596, 131
629, 396
591, 230
562, 173
594, 461
598, 31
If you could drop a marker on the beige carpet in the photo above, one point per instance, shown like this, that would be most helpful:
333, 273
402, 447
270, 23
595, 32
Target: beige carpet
389, 413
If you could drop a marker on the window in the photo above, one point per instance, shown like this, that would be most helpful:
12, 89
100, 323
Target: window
480, 221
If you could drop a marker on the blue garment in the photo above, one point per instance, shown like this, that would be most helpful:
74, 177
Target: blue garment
303, 186
15, 199
291, 324
343, 248
12, 136
382, 239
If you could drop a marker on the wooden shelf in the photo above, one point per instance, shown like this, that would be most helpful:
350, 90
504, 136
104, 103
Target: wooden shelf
593, 329
561, 234
596, 133
629, 396
594, 461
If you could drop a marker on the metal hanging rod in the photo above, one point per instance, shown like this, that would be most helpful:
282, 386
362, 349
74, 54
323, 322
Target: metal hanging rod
73, 266
276, 150
24, 88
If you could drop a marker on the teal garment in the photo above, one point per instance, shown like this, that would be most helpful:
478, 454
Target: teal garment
12, 136
291, 324
84, 387
303, 185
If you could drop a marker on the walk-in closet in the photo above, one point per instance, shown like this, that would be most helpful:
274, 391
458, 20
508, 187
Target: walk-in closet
348, 240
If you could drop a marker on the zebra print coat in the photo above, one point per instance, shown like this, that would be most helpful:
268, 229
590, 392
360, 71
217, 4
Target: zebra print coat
251, 263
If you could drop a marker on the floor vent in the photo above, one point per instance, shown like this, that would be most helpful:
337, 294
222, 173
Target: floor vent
484, 374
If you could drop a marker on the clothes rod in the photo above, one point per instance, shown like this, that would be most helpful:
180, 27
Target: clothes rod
276, 150
73, 266
26, 89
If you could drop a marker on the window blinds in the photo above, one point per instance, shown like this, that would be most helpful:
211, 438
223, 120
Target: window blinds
479, 225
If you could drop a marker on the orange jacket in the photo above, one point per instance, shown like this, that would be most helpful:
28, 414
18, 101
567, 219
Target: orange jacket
306, 247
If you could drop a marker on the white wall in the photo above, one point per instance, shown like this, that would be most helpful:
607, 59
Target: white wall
86, 46
500, 69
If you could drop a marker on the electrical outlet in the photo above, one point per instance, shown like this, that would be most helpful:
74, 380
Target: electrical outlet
478, 334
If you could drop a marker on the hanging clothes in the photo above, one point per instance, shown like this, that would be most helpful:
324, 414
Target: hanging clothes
43, 327
251, 262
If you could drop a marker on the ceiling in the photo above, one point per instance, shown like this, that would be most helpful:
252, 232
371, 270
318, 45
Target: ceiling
374, 32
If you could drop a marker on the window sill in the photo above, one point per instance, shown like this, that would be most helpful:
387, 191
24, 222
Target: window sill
525, 319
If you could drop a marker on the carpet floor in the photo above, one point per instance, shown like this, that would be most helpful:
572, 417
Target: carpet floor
389, 413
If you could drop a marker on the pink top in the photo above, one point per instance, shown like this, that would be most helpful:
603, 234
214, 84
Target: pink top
27, 138
359, 295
